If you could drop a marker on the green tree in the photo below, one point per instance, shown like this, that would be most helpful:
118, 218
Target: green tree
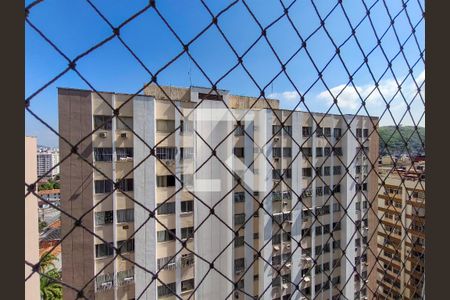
51, 289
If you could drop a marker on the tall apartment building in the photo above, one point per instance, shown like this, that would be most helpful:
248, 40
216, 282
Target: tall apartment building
265, 249
46, 159
401, 234
32, 291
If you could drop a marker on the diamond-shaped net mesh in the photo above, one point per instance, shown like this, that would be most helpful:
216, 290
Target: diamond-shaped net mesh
230, 196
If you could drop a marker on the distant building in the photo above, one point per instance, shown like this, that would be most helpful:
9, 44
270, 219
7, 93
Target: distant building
46, 159
32, 291
401, 238
50, 195
113, 217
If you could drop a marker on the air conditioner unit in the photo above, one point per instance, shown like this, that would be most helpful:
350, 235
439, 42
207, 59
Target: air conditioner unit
284, 286
107, 284
128, 279
103, 134
276, 159
125, 226
276, 139
307, 279
123, 135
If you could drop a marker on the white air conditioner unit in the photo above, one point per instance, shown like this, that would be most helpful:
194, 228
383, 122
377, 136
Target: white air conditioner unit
276, 247
123, 135
288, 265
284, 286
107, 284
307, 279
103, 134
128, 279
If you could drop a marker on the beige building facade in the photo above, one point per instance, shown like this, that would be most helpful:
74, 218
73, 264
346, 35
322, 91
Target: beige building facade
401, 234
32, 291
217, 196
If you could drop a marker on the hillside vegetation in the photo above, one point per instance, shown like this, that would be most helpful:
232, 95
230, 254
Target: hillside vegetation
395, 142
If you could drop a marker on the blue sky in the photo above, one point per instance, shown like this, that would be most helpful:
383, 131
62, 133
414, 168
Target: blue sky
74, 27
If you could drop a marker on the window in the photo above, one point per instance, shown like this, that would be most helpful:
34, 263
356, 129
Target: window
186, 153
166, 208
319, 171
337, 132
165, 235
365, 132
167, 289
187, 206
239, 264
124, 123
288, 173
338, 151
307, 131
319, 131
239, 219
336, 226
125, 215
239, 130
358, 132
319, 152
287, 152
103, 154
319, 191
187, 232
336, 170
187, 285
166, 126
307, 151
103, 250
103, 186
327, 151
326, 171
186, 126
327, 131
126, 246
103, 122
276, 129
336, 207
166, 263
124, 153
126, 185
276, 152
326, 190
358, 170
239, 152
307, 172
318, 230
239, 241
166, 152
239, 197
104, 217
337, 188
165, 181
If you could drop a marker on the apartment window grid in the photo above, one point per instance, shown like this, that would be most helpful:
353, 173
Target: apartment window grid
105, 122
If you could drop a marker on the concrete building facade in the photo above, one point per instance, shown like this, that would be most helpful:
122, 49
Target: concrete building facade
226, 204
401, 234
32, 291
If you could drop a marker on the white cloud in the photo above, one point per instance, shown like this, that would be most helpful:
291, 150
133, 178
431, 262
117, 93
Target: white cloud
349, 99
291, 96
